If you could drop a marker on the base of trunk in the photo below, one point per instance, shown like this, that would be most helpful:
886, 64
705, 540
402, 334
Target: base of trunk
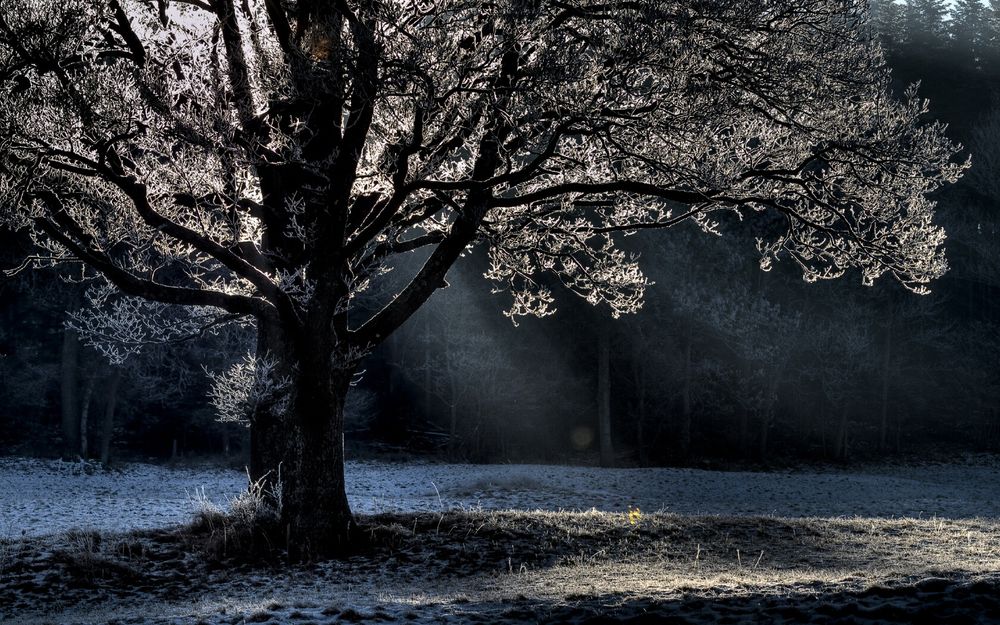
316, 535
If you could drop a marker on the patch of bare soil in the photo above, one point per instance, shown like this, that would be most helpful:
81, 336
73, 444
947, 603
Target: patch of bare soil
523, 568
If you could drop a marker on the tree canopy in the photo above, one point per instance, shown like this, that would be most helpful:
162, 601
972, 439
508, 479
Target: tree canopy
241, 153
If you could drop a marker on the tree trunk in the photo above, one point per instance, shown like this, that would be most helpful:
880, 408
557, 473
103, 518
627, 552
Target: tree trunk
453, 427
840, 448
767, 415
822, 427
69, 381
765, 427
639, 374
899, 432
883, 433
684, 436
428, 381
267, 430
744, 433
108, 422
604, 399
315, 510
744, 418
88, 392
297, 444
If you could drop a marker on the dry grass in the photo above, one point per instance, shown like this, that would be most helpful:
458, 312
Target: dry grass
669, 553
89, 556
247, 529
483, 561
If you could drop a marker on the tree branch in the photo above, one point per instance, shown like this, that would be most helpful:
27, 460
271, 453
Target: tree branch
84, 249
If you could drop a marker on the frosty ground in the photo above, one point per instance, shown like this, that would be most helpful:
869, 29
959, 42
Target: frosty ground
518, 543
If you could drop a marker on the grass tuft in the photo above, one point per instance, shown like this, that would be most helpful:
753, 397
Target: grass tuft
249, 529
90, 556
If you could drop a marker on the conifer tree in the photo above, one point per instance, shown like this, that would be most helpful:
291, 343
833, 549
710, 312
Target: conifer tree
889, 20
968, 28
924, 22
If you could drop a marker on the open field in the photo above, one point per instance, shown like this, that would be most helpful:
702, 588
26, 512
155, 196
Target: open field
484, 566
42, 497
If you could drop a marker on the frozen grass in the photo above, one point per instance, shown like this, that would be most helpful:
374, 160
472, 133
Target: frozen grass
479, 566
44, 497
459, 543
245, 526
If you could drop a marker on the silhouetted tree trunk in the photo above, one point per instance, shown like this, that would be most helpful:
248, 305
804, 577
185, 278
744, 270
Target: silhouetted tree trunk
297, 440
684, 436
883, 432
453, 419
994, 429
428, 381
744, 419
899, 433
88, 392
604, 398
639, 380
108, 422
744, 430
767, 414
822, 428
267, 436
68, 396
840, 442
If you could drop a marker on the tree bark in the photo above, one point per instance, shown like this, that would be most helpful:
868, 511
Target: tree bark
765, 427
883, 434
684, 436
315, 509
840, 448
267, 431
108, 422
767, 414
297, 443
88, 392
69, 382
744, 433
744, 418
639, 373
428, 414
604, 399
453, 426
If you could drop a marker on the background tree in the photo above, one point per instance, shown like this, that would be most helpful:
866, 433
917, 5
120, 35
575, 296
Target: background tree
268, 160
926, 30
969, 29
889, 18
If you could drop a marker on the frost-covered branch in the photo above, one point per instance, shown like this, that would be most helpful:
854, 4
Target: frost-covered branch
273, 162
237, 392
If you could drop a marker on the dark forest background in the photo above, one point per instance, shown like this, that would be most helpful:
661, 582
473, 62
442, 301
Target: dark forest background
725, 363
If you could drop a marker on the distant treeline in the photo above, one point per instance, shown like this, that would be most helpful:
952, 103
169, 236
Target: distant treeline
724, 363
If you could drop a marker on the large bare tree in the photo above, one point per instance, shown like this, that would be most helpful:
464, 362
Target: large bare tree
268, 159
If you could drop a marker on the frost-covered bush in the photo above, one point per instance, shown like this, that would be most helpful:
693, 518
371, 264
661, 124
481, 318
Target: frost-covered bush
237, 392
